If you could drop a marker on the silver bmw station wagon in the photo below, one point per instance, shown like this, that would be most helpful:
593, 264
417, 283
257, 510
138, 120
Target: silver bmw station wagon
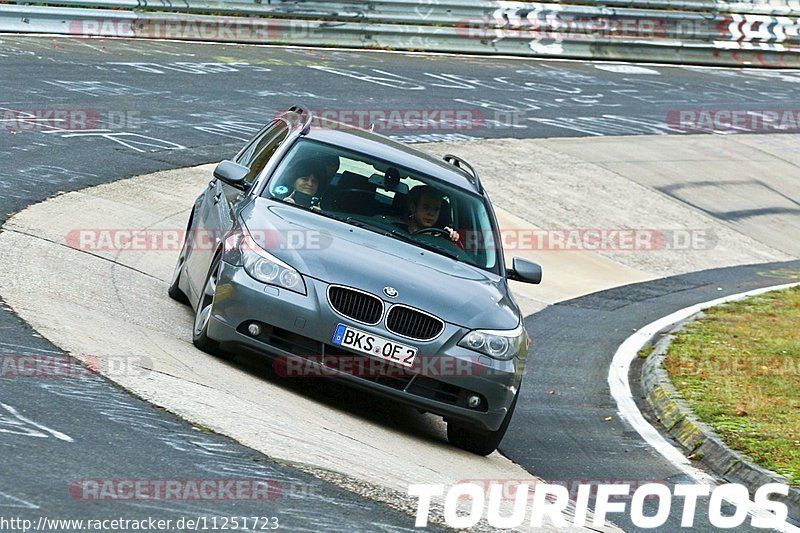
336, 250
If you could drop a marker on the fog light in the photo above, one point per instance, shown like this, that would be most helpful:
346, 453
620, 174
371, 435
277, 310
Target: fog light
474, 401
254, 329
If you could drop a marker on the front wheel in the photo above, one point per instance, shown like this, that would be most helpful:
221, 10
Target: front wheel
479, 441
174, 291
202, 315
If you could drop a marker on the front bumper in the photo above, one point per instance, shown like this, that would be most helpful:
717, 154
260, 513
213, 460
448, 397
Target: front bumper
298, 330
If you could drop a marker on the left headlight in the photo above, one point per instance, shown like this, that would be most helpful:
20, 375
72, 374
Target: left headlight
262, 265
498, 344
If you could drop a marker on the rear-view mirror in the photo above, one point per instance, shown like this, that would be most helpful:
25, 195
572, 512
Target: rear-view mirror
231, 173
524, 271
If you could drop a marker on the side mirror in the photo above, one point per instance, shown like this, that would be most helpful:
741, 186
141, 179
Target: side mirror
231, 173
524, 271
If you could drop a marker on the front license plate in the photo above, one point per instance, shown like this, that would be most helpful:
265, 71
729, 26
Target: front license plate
364, 342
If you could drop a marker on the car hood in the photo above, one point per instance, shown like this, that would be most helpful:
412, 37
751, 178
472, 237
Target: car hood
339, 253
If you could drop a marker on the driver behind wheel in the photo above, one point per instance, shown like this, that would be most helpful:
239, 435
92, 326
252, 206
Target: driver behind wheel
424, 208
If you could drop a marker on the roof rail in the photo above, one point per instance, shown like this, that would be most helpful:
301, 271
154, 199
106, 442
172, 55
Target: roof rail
466, 168
306, 115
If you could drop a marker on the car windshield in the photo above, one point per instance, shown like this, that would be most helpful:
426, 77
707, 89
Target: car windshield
388, 199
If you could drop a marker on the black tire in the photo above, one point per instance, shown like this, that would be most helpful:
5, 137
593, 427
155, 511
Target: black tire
479, 441
202, 314
174, 291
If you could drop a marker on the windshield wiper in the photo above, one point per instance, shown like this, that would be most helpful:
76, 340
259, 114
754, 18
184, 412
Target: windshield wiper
402, 237
374, 227
434, 248
315, 211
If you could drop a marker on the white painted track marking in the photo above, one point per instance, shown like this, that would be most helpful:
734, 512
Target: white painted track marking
53, 432
626, 406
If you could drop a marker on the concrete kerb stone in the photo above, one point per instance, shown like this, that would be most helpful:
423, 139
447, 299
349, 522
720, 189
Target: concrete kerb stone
698, 439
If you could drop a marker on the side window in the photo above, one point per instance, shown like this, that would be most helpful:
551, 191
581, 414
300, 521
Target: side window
245, 156
265, 148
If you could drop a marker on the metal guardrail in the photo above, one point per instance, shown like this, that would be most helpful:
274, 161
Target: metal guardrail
674, 31
422, 10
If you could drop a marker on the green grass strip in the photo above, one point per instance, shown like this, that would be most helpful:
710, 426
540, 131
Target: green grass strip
739, 370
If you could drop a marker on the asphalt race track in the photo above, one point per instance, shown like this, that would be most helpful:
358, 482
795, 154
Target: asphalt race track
158, 105
575, 417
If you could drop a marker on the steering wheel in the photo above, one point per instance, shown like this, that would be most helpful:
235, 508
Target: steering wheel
432, 231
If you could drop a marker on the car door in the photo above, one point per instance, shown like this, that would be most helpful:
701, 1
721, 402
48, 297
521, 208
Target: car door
221, 201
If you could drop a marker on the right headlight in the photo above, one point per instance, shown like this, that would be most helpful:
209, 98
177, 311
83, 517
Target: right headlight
498, 344
262, 265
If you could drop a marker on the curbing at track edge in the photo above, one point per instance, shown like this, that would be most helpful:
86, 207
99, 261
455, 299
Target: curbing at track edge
697, 438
